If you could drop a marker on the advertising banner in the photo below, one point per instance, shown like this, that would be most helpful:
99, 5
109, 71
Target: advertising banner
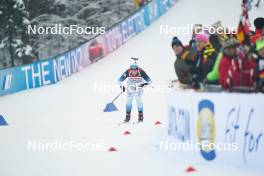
231, 123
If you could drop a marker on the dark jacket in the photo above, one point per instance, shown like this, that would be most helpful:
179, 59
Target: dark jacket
215, 42
204, 62
184, 63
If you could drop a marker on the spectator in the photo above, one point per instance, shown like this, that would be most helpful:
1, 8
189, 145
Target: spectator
260, 64
213, 76
206, 56
218, 37
184, 62
235, 70
259, 29
197, 29
139, 3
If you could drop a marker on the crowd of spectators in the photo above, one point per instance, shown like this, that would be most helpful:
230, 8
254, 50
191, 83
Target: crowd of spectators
221, 59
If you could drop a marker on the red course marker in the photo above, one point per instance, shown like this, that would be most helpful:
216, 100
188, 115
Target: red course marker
112, 149
157, 123
126, 133
190, 169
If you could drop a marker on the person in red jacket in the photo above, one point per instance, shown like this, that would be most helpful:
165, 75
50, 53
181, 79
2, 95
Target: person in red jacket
235, 70
259, 25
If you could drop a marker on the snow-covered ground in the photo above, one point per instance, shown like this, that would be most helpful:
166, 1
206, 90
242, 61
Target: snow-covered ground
72, 110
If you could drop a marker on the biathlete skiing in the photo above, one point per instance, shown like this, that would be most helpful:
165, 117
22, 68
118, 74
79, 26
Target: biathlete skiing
136, 80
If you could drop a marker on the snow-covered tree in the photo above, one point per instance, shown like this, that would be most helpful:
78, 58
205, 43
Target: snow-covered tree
14, 18
17, 47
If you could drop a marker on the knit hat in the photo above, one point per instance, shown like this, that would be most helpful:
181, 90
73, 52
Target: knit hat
260, 44
232, 42
259, 23
202, 37
134, 66
217, 24
176, 41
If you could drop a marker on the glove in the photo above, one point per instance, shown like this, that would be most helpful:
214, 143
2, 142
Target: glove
142, 85
123, 88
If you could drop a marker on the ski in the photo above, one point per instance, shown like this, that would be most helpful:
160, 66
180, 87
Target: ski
137, 122
122, 123
133, 123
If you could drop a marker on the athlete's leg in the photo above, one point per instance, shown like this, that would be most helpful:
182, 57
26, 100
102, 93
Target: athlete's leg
139, 100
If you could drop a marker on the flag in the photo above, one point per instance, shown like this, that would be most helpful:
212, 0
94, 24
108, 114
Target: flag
243, 30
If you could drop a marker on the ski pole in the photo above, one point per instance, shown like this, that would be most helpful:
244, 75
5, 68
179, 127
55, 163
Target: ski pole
117, 97
257, 5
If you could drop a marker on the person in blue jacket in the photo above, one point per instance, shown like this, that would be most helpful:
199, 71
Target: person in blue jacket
136, 80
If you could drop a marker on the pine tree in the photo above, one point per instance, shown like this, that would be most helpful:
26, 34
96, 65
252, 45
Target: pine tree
39, 7
13, 18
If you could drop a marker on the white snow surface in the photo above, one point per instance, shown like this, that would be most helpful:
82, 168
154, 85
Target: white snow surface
72, 111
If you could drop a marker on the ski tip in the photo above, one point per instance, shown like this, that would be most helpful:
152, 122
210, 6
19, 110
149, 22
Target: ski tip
123, 123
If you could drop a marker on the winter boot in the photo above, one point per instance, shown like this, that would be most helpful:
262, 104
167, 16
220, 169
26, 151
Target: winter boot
140, 117
127, 117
